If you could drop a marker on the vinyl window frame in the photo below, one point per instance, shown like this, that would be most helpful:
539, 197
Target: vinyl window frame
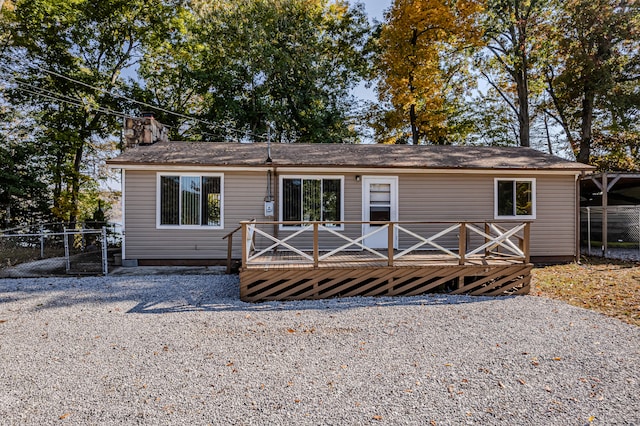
282, 178
515, 215
159, 177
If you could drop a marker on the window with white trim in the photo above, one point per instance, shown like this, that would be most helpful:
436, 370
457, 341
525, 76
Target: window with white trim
190, 201
515, 198
310, 199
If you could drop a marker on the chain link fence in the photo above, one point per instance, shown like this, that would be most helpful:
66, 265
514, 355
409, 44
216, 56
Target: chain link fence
54, 249
623, 231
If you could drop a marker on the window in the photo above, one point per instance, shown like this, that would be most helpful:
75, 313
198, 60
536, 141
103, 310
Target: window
190, 201
515, 198
309, 199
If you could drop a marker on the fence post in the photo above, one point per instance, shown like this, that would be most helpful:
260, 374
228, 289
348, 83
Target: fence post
589, 231
66, 250
105, 264
41, 242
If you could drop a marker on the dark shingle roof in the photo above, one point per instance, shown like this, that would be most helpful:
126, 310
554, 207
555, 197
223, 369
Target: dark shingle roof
343, 156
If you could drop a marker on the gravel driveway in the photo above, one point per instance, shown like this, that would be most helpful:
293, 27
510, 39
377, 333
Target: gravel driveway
184, 350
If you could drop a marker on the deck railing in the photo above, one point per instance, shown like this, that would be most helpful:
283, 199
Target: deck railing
316, 243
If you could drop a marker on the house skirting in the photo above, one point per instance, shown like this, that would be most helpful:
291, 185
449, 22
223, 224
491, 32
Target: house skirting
258, 284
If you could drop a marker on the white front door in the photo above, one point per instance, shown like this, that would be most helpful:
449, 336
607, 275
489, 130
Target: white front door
379, 203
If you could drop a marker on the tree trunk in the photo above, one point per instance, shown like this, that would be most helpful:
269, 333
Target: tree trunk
75, 184
523, 116
522, 87
585, 132
414, 126
413, 117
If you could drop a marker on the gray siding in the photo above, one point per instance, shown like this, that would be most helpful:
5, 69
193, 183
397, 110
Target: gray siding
243, 199
471, 198
554, 231
421, 197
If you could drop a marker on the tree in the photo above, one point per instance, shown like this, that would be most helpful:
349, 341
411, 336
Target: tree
422, 65
616, 152
245, 64
68, 59
593, 79
24, 196
514, 31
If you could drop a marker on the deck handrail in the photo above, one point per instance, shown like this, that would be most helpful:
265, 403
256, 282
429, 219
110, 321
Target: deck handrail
229, 238
495, 237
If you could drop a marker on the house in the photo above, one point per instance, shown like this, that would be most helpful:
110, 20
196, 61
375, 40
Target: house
181, 198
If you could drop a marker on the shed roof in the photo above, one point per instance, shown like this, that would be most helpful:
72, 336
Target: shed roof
342, 156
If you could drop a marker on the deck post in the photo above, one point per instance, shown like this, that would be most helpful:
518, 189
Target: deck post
462, 243
487, 230
390, 230
244, 244
316, 248
526, 241
229, 251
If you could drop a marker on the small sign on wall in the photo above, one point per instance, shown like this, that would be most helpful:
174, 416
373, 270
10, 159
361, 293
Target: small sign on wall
268, 208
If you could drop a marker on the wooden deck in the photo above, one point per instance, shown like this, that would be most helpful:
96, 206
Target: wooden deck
293, 274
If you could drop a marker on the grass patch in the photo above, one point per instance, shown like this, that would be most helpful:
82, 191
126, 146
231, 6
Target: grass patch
597, 245
608, 286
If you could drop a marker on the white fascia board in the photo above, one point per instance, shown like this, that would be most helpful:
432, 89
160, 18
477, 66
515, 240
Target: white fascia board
342, 170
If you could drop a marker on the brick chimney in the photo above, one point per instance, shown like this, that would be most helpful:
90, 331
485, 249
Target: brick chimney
144, 130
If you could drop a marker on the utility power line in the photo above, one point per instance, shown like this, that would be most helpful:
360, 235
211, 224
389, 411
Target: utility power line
145, 104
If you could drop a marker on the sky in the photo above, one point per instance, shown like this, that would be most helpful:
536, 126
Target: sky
376, 8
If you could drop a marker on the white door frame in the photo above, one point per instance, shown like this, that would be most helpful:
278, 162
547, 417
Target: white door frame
381, 239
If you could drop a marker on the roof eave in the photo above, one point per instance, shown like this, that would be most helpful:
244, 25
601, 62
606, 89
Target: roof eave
352, 168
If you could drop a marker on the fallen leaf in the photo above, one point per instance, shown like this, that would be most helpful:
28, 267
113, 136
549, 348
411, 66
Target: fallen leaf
3, 321
557, 358
522, 382
377, 417
64, 416
297, 401
291, 330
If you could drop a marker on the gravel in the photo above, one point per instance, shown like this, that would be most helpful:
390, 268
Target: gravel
184, 350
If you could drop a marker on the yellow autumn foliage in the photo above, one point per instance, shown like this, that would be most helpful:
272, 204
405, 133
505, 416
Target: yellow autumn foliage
419, 72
